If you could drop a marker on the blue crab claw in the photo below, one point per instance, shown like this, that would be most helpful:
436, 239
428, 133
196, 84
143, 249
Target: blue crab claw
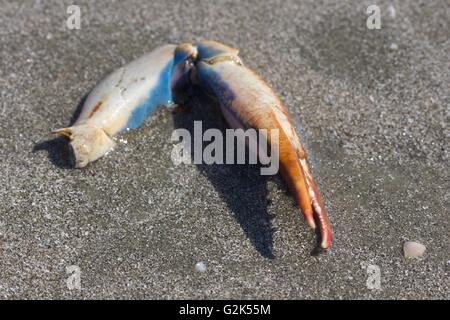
122, 101
246, 101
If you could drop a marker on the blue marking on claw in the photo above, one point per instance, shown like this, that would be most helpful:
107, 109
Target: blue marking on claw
160, 95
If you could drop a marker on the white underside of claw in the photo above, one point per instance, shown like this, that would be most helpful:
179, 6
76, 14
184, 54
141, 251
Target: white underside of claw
111, 103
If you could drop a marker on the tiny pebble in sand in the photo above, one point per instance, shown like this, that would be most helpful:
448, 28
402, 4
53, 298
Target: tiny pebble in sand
413, 249
200, 267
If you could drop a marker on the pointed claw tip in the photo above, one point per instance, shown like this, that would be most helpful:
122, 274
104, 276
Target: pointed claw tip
310, 219
325, 245
65, 132
326, 240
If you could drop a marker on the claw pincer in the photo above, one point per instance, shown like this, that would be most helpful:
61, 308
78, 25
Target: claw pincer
246, 101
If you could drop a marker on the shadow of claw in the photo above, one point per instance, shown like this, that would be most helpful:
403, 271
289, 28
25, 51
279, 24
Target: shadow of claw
58, 151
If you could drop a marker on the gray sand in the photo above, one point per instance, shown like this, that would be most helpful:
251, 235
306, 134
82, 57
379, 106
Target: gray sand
373, 108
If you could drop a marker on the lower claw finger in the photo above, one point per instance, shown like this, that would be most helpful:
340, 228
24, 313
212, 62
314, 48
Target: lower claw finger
308, 215
324, 223
325, 234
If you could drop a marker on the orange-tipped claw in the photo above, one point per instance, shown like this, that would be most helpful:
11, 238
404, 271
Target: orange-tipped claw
306, 194
319, 211
247, 101
296, 172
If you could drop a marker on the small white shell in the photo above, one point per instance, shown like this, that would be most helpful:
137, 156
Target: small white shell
413, 249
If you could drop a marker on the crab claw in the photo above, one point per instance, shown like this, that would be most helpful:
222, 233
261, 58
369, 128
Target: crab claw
246, 101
